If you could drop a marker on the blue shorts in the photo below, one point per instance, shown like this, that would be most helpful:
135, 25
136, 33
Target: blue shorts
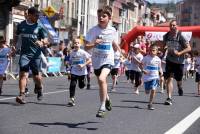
33, 64
151, 85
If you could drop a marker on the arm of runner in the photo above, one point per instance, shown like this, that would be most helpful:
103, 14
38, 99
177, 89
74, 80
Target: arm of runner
90, 45
186, 50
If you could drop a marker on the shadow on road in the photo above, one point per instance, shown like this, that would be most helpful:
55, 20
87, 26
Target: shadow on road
136, 107
141, 102
48, 104
70, 125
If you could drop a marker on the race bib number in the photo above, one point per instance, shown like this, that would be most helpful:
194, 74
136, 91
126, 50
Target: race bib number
77, 61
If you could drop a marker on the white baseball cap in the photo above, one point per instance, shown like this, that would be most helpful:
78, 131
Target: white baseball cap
136, 46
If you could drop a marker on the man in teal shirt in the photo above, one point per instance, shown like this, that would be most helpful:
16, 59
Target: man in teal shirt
32, 36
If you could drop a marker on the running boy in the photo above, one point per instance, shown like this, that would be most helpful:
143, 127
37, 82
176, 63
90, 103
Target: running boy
5, 54
151, 65
103, 38
78, 60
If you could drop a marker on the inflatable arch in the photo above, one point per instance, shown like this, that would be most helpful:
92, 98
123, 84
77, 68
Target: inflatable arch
140, 30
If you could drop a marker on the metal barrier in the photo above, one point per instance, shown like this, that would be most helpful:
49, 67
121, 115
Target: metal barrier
54, 66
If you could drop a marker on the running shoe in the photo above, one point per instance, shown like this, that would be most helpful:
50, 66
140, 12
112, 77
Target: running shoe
168, 101
108, 105
71, 102
39, 95
20, 99
136, 92
113, 90
101, 114
180, 92
162, 91
150, 107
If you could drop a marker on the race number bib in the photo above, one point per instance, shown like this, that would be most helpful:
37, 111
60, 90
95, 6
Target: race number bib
102, 50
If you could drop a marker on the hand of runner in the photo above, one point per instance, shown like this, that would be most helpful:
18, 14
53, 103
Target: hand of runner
98, 41
81, 65
177, 53
39, 43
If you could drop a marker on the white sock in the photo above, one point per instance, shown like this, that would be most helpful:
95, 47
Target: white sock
103, 107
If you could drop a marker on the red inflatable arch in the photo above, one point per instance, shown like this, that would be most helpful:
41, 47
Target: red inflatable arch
140, 30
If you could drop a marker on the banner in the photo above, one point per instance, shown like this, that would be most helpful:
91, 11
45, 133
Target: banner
158, 36
53, 34
54, 64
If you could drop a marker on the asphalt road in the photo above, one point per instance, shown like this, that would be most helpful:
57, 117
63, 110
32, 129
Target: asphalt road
129, 114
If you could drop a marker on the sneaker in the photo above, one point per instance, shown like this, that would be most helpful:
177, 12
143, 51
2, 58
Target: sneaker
168, 101
101, 114
39, 94
26, 91
108, 105
162, 91
88, 86
136, 92
71, 102
113, 90
180, 92
150, 107
20, 99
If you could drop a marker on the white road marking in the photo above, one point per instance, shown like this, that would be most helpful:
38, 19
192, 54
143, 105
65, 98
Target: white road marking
184, 124
44, 93
47, 93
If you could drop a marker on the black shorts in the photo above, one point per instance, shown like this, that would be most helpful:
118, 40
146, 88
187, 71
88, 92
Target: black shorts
26, 63
114, 71
137, 77
197, 79
97, 72
174, 70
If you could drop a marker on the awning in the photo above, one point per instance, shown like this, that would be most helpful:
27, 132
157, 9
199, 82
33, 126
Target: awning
53, 35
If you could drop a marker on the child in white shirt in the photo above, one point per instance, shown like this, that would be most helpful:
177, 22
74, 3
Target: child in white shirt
151, 66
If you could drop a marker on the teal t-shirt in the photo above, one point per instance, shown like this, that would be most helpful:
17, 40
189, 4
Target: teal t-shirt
29, 34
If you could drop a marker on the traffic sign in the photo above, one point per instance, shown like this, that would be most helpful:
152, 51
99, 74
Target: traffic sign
49, 11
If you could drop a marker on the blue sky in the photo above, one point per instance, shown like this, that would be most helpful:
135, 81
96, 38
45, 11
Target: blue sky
161, 1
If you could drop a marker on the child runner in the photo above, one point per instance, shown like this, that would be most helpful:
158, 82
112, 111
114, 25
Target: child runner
151, 65
197, 67
136, 74
115, 70
66, 53
78, 59
5, 54
127, 64
103, 38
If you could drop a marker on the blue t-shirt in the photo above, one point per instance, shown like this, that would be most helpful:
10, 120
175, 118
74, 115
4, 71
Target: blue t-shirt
29, 34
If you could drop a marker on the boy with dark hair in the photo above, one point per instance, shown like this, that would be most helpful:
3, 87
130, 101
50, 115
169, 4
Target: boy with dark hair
103, 38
